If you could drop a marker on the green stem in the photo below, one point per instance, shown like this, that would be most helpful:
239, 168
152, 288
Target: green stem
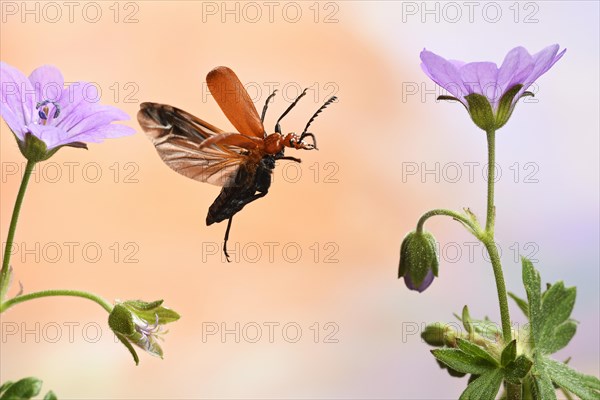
57, 292
513, 392
449, 213
4, 273
500, 287
491, 209
488, 239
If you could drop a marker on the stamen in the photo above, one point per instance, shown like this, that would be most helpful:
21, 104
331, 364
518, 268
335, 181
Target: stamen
43, 113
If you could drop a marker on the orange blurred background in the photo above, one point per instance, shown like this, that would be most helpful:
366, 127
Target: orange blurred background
136, 228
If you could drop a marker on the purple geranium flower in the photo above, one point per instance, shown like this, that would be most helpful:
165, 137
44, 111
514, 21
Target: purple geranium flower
41, 107
490, 93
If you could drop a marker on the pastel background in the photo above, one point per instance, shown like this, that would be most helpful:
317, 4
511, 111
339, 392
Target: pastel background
356, 210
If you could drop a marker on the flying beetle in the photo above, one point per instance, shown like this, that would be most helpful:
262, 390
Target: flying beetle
241, 162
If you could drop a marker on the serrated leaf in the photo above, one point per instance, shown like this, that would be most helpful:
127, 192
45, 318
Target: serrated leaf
462, 362
521, 303
509, 354
452, 372
542, 388
561, 337
571, 380
592, 382
518, 369
50, 396
532, 283
5, 386
476, 351
485, 387
557, 306
22, 389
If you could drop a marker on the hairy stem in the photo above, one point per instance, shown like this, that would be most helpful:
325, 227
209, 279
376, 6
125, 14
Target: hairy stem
56, 292
449, 213
4, 273
513, 392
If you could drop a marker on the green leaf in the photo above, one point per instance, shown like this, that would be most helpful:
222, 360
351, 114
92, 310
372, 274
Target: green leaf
561, 337
532, 282
557, 306
452, 372
50, 396
485, 387
476, 351
542, 388
466, 320
584, 386
23, 389
509, 354
522, 303
517, 370
462, 362
5, 386
481, 111
592, 382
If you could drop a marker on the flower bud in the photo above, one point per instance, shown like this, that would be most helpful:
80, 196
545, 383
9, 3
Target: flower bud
418, 260
440, 334
141, 323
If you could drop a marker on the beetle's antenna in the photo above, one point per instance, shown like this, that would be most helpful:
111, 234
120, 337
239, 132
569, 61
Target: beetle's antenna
264, 111
324, 106
277, 127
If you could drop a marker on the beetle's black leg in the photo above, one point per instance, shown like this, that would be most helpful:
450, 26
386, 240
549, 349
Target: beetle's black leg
290, 159
277, 127
264, 111
226, 239
247, 201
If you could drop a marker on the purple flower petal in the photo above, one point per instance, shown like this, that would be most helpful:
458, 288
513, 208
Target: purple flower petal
50, 135
97, 135
14, 122
90, 116
481, 78
18, 97
424, 285
445, 73
517, 66
48, 83
73, 97
543, 61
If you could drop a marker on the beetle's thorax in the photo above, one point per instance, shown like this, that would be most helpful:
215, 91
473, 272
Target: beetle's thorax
273, 143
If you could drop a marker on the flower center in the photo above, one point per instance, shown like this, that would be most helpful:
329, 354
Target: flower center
44, 110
